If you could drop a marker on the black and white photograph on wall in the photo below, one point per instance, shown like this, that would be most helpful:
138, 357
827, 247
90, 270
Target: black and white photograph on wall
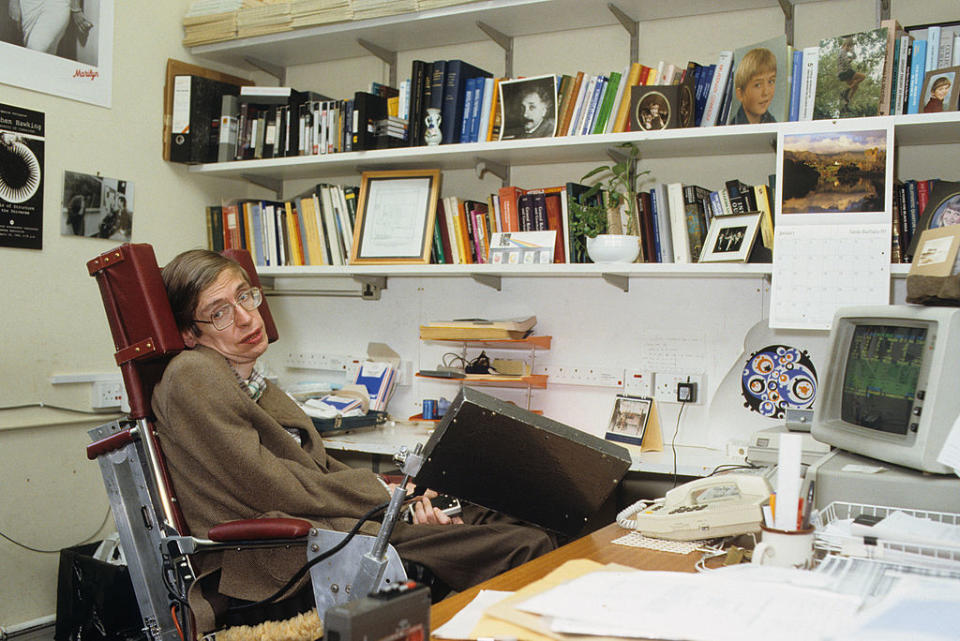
60, 47
96, 207
21, 177
528, 107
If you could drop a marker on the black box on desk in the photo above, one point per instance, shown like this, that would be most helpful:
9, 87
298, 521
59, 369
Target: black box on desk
530, 467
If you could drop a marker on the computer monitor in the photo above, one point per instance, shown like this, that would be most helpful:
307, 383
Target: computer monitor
892, 385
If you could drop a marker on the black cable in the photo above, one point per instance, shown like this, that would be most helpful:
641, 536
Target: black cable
57, 551
726, 467
673, 442
312, 562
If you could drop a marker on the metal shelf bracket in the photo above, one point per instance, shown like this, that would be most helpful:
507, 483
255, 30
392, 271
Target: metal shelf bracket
618, 280
371, 285
505, 41
490, 280
273, 184
278, 72
498, 169
387, 56
633, 28
788, 8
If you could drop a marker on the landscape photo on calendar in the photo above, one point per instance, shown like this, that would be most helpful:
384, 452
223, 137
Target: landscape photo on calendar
834, 172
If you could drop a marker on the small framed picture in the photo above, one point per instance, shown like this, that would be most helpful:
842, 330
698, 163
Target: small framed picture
936, 252
528, 107
396, 213
939, 91
628, 423
942, 210
730, 238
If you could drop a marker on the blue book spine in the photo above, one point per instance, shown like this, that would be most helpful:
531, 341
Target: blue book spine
703, 90
479, 97
656, 225
917, 69
468, 96
592, 109
795, 85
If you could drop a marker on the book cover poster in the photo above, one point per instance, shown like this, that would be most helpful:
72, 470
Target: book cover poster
21, 177
850, 75
96, 207
528, 107
761, 73
45, 46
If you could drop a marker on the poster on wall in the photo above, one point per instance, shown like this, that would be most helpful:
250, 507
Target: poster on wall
96, 207
21, 177
60, 47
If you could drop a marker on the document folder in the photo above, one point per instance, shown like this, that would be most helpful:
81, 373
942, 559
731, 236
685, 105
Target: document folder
530, 467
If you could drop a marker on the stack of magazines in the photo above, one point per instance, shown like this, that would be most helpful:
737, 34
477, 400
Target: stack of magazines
210, 21
263, 17
307, 13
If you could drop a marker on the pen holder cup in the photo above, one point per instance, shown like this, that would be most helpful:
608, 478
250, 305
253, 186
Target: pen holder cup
784, 548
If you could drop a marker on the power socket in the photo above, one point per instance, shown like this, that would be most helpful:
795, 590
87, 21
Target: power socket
638, 383
666, 387
107, 394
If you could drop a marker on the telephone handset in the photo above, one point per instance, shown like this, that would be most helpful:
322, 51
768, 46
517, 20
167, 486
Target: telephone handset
706, 508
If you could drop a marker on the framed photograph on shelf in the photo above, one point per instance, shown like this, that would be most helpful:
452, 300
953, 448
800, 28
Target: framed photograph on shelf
936, 252
528, 107
396, 213
730, 238
628, 423
942, 210
940, 90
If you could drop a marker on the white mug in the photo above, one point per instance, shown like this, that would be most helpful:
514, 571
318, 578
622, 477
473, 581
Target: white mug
784, 548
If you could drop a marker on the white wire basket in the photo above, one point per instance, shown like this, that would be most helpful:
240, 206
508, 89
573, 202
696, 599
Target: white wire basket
827, 540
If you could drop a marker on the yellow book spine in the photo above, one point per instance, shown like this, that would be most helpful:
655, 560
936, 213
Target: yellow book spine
624, 111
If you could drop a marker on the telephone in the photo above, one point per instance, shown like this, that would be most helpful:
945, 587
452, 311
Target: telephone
706, 508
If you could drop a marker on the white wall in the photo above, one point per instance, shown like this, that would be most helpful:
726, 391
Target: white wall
51, 497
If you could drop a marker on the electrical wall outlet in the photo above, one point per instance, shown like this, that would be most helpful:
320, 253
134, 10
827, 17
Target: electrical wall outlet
638, 383
306, 359
665, 386
107, 394
581, 375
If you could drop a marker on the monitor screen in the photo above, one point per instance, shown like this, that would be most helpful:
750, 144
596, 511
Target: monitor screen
880, 379
890, 388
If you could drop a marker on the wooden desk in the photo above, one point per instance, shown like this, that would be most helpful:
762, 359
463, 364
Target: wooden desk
596, 547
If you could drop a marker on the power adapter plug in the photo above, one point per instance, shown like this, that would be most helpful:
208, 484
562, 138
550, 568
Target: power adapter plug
686, 392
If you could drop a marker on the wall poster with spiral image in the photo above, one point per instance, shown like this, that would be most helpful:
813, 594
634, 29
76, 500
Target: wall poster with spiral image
21, 177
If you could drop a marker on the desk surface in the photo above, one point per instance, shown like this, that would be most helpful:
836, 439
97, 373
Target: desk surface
386, 440
595, 547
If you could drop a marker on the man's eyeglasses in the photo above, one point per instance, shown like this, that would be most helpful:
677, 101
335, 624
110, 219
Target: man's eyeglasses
223, 316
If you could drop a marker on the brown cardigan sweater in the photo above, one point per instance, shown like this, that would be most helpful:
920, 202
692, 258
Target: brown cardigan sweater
231, 458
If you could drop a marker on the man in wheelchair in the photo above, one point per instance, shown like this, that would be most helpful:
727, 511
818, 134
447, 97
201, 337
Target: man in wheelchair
238, 447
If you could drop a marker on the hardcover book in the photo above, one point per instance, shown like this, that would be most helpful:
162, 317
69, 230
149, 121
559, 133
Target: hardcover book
760, 77
197, 104
850, 75
457, 73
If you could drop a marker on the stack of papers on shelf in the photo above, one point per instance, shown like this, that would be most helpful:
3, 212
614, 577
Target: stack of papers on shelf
209, 21
380, 379
307, 13
363, 9
333, 405
436, 4
263, 17
478, 328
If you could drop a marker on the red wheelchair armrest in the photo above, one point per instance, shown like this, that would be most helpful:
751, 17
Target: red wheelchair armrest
259, 529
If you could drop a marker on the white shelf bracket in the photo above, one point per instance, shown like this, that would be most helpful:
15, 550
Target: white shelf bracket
505, 42
498, 169
278, 72
370, 285
387, 56
490, 280
788, 9
619, 281
633, 28
273, 184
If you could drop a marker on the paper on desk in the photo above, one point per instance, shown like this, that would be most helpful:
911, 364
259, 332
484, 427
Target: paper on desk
463, 622
919, 609
502, 620
695, 607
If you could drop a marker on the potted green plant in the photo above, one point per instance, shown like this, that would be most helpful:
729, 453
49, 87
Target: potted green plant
595, 215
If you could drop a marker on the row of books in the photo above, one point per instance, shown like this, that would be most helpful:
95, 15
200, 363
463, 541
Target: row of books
208, 21
910, 198
315, 228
